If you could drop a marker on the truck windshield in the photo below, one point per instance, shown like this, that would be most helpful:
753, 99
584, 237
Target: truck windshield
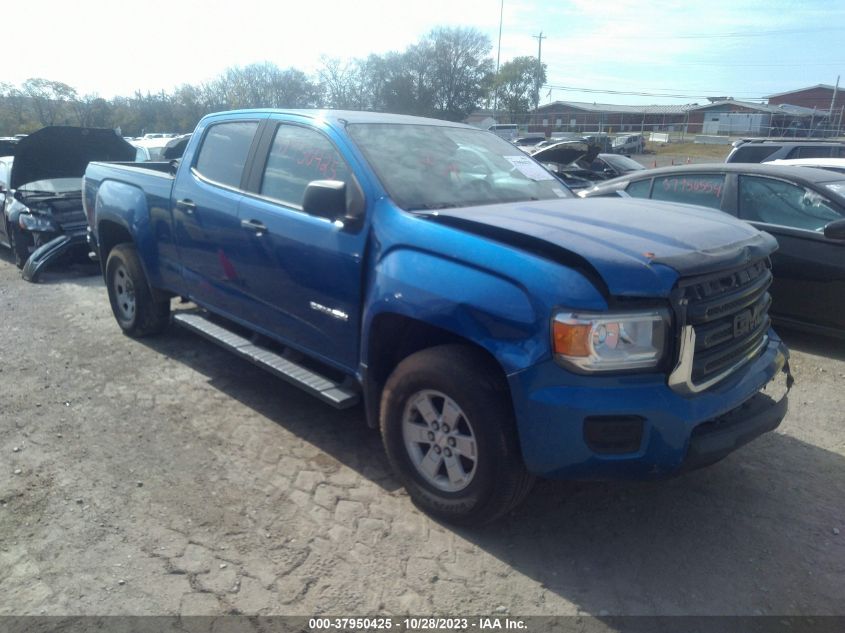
437, 167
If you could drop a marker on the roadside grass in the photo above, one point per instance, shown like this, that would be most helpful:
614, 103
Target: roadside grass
696, 151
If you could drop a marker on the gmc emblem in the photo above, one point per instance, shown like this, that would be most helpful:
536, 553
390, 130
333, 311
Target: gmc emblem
748, 320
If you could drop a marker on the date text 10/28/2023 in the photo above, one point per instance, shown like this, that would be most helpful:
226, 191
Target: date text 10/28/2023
416, 624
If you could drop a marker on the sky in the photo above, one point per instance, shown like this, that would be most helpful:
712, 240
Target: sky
676, 52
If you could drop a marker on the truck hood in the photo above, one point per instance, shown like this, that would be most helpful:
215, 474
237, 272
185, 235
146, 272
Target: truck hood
637, 248
62, 151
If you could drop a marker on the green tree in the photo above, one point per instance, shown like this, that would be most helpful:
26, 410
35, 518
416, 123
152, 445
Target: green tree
516, 84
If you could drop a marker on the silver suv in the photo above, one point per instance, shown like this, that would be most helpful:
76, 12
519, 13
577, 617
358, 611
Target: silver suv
760, 150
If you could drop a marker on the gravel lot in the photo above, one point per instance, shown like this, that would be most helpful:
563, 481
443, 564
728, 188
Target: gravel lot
167, 476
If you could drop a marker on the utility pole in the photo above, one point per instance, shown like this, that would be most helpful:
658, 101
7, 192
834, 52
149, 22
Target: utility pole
833, 101
498, 57
539, 39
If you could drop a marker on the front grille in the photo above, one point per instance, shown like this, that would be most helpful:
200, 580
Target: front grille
729, 313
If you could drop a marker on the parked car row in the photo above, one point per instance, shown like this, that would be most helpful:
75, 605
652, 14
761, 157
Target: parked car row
802, 207
159, 147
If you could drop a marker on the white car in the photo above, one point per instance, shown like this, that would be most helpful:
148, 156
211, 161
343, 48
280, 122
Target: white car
831, 164
150, 149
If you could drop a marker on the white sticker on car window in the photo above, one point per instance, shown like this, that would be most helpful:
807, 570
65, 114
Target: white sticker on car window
529, 168
559, 192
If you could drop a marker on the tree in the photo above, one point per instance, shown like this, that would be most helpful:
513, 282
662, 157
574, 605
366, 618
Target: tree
338, 81
49, 99
516, 83
461, 68
92, 111
291, 88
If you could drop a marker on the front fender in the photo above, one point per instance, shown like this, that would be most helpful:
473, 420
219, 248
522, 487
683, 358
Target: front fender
487, 309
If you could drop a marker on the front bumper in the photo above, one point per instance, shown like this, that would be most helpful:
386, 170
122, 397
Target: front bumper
678, 432
763, 412
48, 253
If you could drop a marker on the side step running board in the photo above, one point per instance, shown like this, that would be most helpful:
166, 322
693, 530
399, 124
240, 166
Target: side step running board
338, 395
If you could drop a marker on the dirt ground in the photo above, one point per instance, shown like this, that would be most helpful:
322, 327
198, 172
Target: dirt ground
167, 476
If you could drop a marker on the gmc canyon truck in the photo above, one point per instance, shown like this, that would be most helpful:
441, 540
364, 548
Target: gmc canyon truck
495, 327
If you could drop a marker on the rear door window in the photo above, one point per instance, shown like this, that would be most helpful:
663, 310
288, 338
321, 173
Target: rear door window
811, 151
224, 152
784, 203
701, 189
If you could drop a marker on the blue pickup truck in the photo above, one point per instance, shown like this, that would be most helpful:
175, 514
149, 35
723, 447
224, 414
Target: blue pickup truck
495, 327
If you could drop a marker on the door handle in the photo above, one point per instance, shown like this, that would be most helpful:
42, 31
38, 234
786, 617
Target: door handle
188, 206
254, 225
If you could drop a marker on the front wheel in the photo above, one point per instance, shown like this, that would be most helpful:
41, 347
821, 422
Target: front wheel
137, 312
448, 428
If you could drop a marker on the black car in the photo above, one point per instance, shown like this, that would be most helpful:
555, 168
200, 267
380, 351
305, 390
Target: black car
43, 218
579, 164
803, 208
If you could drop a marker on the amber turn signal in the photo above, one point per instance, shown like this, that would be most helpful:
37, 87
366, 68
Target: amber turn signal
572, 339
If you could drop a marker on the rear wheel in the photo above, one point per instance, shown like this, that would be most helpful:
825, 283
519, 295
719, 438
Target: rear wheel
449, 432
136, 311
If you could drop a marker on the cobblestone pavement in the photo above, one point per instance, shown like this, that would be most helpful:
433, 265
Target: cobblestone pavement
167, 476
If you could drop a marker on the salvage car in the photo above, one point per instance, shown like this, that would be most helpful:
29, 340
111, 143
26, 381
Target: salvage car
579, 163
802, 207
42, 211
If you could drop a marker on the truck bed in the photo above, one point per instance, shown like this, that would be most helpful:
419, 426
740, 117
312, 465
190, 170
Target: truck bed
153, 180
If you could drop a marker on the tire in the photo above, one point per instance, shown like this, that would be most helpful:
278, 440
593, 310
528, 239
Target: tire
471, 473
136, 311
20, 243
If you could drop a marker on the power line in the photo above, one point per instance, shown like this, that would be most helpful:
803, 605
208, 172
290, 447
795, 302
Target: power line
730, 35
798, 65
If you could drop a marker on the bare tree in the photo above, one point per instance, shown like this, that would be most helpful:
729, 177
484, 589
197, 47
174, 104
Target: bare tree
49, 99
338, 79
461, 68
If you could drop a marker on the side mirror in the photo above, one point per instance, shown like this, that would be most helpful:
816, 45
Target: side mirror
835, 230
325, 199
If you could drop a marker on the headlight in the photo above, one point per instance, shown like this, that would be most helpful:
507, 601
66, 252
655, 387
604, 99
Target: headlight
595, 342
38, 223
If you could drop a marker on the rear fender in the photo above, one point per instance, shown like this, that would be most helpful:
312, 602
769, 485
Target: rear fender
125, 205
